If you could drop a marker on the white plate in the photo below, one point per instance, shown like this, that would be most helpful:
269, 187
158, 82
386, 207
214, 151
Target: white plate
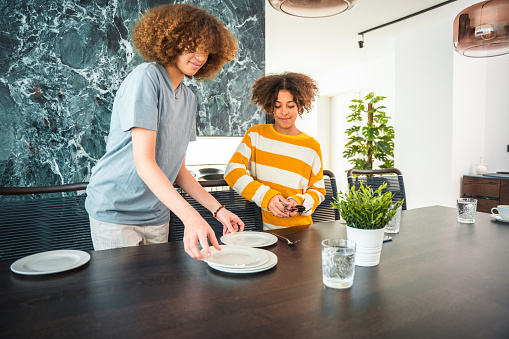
237, 257
269, 264
498, 218
50, 262
249, 238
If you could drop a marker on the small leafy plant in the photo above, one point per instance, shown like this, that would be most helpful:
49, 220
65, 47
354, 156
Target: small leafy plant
361, 207
370, 138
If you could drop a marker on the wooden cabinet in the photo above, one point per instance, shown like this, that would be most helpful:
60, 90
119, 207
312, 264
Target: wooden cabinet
489, 192
504, 192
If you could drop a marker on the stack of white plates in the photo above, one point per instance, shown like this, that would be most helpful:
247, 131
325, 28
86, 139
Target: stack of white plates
240, 259
249, 238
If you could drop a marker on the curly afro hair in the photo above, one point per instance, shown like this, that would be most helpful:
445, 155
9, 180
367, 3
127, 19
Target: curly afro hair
266, 89
164, 32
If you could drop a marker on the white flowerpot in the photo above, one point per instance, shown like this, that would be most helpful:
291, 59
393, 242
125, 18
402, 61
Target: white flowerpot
369, 245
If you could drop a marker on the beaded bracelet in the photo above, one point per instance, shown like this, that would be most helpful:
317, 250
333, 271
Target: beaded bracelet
215, 213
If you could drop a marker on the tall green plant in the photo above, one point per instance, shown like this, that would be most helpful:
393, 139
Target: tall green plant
371, 138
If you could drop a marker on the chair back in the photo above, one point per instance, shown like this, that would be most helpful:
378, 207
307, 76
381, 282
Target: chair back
375, 178
39, 219
324, 211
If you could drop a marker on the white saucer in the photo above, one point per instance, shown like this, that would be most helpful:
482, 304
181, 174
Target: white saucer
498, 218
249, 238
237, 257
269, 264
50, 262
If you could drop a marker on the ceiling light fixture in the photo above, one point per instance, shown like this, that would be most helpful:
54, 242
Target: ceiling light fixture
482, 30
361, 41
313, 8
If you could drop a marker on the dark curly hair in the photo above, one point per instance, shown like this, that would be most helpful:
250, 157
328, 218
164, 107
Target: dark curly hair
302, 87
164, 32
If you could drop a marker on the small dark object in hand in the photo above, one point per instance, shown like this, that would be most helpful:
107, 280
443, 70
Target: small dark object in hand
298, 208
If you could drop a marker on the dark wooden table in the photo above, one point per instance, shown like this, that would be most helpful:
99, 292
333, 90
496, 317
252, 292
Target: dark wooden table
436, 279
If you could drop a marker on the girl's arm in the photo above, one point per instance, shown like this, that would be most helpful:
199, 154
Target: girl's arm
238, 177
315, 193
196, 228
186, 181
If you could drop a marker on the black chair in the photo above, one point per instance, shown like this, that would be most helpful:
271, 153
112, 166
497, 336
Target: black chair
324, 211
375, 178
247, 211
39, 219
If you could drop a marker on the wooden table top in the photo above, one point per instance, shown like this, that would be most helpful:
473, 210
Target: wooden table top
437, 278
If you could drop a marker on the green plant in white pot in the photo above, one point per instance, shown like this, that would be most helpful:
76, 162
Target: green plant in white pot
366, 213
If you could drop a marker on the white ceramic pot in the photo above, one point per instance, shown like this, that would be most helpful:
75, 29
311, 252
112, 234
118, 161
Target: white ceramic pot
369, 245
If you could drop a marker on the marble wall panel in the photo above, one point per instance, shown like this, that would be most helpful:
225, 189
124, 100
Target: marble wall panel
61, 62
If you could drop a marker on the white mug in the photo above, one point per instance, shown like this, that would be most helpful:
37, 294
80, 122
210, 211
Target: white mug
503, 211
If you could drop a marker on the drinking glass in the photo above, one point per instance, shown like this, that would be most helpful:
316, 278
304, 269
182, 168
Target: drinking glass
393, 225
466, 209
338, 262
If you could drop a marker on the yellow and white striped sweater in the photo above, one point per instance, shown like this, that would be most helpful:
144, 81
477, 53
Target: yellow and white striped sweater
268, 163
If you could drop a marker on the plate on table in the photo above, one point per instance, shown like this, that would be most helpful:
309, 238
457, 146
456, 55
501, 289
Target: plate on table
498, 218
237, 257
268, 265
249, 239
50, 262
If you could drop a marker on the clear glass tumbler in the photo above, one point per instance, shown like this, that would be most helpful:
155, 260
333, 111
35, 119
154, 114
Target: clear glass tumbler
466, 208
338, 262
393, 225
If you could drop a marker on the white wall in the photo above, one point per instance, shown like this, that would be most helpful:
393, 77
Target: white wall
339, 112
324, 129
308, 122
497, 114
469, 108
424, 95
480, 116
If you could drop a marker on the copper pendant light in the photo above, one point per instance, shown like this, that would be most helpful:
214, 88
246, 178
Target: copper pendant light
312, 8
482, 30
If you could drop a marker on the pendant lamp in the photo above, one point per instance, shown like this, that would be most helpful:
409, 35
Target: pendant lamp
312, 8
482, 30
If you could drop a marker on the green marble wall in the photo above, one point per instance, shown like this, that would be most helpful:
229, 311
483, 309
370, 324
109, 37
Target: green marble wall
61, 62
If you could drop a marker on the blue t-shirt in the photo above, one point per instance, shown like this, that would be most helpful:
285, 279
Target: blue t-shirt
146, 99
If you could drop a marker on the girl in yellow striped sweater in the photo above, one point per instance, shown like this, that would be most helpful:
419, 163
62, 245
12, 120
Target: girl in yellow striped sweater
276, 165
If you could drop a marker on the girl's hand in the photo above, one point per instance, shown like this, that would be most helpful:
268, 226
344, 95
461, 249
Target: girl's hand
292, 212
231, 222
197, 229
278, 206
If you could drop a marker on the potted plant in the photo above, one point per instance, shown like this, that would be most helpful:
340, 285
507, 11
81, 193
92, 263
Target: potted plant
370, 138
366, 213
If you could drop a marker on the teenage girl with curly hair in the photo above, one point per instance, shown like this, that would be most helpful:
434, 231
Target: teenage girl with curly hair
131, 190
277, 166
